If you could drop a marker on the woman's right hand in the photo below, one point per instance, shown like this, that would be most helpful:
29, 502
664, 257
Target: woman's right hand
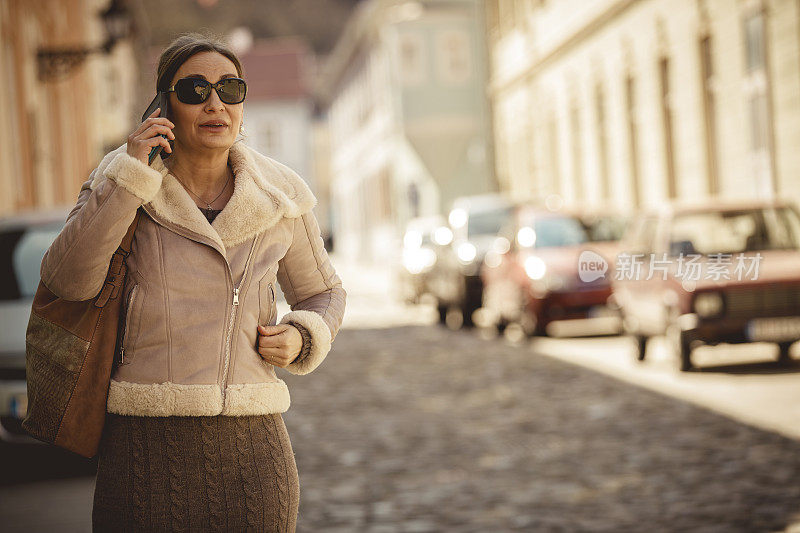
148, 135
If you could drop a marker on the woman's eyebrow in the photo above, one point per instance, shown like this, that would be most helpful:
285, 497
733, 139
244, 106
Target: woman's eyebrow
228, 75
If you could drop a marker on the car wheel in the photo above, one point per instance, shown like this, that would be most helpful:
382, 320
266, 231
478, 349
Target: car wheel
442, 310
784, 357
531, 325
641, 347
466, 313
680, 343
681, 347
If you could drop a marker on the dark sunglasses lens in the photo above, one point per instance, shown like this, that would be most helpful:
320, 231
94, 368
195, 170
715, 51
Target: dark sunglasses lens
232, 91
192, 91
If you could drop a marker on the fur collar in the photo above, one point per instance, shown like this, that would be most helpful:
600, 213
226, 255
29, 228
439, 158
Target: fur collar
264, 191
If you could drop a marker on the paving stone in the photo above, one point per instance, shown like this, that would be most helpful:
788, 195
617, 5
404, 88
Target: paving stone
420, 428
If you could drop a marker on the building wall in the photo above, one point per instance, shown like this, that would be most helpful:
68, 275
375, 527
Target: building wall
619, 106
408, 117
53, 130
282, 130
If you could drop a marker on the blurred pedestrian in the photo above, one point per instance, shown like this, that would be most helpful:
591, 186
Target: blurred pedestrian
194, 438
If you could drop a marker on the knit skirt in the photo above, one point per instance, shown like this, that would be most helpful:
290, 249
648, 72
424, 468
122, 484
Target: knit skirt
204, 473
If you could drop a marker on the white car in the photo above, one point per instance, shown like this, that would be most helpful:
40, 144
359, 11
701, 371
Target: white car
24, 238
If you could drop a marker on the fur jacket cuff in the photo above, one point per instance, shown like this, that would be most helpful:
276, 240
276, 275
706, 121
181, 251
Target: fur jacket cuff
134, 176
316, 348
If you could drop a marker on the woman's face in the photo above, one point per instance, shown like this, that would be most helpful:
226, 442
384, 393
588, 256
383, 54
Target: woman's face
189, 134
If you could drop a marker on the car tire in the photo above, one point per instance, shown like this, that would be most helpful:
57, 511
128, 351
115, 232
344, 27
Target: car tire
679, 342
784, 357
683, 349
442, 311
641, 347
466, 313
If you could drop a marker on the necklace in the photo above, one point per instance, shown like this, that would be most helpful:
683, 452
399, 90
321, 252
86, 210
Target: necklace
208, 208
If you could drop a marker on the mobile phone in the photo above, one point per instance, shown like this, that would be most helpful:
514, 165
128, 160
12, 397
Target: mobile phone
161, 100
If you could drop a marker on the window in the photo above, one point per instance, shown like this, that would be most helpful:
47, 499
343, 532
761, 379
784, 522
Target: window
21, 253
758, 104
709, 113
602, 140
412, 59
633, 142
552, 153
577, 150
455, 60
666, 120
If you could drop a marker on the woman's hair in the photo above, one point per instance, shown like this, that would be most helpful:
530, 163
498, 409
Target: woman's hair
184, 47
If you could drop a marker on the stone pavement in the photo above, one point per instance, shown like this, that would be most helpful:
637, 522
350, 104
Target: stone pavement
419, 428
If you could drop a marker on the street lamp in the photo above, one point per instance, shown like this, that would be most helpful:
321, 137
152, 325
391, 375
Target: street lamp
54, 63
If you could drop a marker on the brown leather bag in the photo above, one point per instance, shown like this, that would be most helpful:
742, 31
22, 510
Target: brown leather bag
69, 357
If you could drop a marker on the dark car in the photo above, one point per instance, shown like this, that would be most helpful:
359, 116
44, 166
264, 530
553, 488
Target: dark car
534, 275
24, 238
455, 281
725, 272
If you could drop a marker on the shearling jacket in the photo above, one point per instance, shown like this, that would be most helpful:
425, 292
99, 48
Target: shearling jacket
196, 291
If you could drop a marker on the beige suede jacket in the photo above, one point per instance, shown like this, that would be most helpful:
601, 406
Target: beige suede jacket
195, 291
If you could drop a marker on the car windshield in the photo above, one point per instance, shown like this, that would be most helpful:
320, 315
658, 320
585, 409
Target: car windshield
487, 222
21, 253
606, 228
558, 231
739, 231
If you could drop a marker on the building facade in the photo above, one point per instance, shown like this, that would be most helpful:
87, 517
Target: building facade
404, 93
57, 122
633, 102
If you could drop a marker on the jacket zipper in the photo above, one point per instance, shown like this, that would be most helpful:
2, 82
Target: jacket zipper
271, 303
131, 298
234, 306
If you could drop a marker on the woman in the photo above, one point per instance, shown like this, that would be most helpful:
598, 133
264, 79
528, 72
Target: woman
194, 437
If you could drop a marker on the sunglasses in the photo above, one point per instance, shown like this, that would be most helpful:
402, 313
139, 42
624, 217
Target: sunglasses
197, 90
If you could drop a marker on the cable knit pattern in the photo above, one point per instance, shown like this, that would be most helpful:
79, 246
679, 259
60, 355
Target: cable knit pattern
278, 459
211, 468
306, 348
176, 479
207, 473
320, 343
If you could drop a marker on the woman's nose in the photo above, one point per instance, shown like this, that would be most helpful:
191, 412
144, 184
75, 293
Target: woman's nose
213, 101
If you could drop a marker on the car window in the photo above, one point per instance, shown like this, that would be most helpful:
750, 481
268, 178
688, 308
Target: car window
559, 231
736, 231
607, 228
641, 237
21, 253
487, 222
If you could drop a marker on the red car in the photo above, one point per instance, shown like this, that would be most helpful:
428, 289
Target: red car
543, 269
710, 274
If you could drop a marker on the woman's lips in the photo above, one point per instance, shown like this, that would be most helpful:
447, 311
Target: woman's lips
214, 128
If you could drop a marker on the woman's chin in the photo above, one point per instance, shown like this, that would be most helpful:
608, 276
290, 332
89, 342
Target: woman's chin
214, 142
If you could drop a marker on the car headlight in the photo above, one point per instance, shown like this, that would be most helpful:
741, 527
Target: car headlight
535, 267
708, 304
466, 252
417, 260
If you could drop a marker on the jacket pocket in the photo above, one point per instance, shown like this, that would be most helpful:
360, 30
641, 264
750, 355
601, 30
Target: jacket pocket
128, 338
266, 303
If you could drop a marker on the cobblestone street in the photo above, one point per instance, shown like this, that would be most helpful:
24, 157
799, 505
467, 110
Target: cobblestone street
419, 428
411, 427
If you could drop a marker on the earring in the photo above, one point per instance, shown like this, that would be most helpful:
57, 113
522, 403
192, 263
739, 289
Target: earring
241, 127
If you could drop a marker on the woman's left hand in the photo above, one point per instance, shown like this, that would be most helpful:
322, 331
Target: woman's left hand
279, 344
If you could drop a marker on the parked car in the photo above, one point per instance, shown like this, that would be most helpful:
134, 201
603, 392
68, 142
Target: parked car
24, 238
532, 274
422, 243
455, 282
721, 272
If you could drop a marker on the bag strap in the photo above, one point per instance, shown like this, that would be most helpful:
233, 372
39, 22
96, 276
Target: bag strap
117, 268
